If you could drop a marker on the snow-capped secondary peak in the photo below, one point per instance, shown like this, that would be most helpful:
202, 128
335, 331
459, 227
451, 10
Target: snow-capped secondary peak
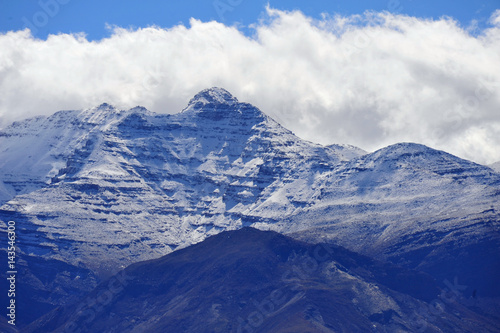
102, 112
213, 95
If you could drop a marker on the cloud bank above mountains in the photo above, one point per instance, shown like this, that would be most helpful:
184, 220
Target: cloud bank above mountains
369, 80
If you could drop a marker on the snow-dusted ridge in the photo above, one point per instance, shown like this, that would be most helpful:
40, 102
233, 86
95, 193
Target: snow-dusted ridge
104, 187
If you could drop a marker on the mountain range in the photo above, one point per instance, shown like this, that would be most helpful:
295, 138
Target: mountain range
93, 191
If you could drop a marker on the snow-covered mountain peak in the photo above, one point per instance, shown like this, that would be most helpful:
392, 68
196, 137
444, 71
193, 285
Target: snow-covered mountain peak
213, 95
406, 148
421, 157
405, 162
140, 109
105, 106
102, 114
407, 151
216, 107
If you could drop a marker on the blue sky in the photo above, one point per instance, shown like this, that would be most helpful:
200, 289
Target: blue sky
91, 16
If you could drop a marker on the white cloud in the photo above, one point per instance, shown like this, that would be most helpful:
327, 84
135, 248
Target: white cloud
368, 80
495, 18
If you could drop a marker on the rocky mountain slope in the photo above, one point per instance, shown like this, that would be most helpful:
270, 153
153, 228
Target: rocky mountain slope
93, 191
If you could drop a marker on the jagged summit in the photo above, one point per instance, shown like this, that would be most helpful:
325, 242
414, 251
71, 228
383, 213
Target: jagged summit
105, 106
217, 105
213, 95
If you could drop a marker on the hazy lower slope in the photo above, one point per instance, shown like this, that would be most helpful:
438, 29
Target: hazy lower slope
257, 281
